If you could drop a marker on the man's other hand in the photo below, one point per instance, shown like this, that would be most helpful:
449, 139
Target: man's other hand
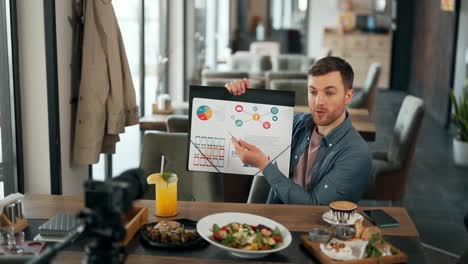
250, 154
238, 87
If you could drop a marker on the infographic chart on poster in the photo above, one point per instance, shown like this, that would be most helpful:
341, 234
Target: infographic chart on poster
214, 122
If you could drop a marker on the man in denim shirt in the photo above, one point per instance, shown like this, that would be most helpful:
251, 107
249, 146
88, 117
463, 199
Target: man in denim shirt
330, 160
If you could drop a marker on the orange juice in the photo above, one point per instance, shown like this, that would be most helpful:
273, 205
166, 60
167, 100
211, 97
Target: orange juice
166, 193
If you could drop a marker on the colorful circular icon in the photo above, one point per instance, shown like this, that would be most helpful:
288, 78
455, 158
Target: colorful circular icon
274, 110
274, 118
256, 117
239, 122
266, 125
204, 112
239, 108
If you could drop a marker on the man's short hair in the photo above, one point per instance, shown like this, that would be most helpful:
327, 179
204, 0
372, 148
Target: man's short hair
331, 64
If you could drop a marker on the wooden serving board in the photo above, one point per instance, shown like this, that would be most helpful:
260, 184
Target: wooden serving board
134, 220
314, 249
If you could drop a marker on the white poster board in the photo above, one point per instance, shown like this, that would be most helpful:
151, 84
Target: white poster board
265, 125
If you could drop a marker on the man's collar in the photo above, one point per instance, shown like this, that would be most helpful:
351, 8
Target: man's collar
337, 133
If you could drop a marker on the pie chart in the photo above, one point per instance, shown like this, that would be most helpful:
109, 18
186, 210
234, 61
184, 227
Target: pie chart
204, 112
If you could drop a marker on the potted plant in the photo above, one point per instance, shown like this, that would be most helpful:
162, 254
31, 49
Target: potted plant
460, 119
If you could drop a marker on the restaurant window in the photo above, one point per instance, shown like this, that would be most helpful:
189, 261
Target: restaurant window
8, 143
134, 18
288, 14
207, 37
195, 41
217, 32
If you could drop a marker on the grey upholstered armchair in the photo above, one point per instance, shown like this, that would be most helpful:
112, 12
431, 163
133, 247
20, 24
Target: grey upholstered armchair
243, 60
242, 65
391, 169
222, 80
365, 98
288, 66
198, 186
298, 86
284, 75
177, 124
291, 62
259, 190
270, 48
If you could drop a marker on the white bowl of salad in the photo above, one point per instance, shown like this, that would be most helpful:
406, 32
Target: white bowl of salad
244, 235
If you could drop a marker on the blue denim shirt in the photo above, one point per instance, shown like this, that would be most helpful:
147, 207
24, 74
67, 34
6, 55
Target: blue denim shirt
340, 172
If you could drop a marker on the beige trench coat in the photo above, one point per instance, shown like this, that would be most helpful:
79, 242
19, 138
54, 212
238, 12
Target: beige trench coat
106, 102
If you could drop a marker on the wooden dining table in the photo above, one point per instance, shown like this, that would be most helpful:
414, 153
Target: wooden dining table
360, 119
296, 218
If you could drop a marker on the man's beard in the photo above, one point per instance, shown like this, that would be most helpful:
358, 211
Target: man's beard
328, 120
325, 122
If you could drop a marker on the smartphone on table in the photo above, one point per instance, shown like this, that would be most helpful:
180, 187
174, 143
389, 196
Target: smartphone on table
380, 218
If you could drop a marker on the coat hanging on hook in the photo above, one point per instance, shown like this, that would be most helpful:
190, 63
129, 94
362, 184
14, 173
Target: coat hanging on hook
106, 101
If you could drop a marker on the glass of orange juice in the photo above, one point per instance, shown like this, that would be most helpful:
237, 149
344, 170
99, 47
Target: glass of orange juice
166, 193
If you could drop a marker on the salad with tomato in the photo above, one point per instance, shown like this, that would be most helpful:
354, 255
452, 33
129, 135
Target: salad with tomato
244, 236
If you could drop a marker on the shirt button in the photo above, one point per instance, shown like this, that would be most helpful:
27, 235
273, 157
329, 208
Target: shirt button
330, 145
307, 138
295, 157
326, 186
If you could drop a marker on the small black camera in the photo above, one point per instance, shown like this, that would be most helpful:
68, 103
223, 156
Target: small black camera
107, 197
106, 202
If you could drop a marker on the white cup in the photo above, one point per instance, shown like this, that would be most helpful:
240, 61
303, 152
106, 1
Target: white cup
164, 101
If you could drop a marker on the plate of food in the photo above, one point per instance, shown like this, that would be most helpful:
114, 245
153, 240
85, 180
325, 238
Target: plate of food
244, 235
366, 246
177, 234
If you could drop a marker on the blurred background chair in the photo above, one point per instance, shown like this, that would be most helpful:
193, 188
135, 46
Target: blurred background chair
284, 75
223, 79
298, 86
270, 48
391, 169
218, 76
192, 186
242, 65
364, 98
291, 62
288, 66
244, 60
259, 190
177, 124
